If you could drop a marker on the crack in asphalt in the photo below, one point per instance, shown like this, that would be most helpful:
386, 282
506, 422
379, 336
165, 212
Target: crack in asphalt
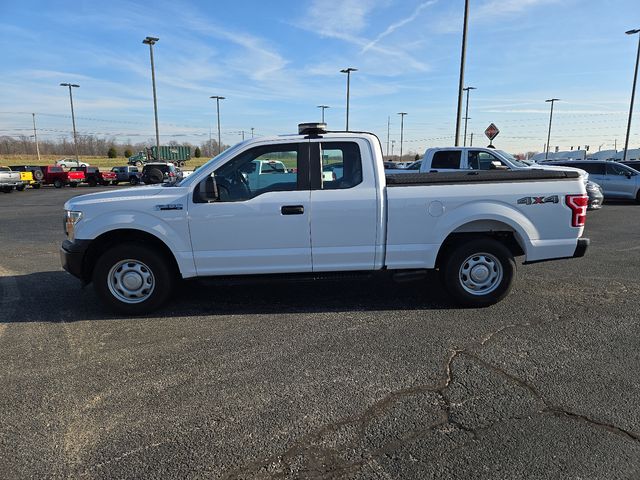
325, 462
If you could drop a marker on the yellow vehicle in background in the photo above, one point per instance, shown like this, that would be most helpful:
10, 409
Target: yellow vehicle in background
30, 175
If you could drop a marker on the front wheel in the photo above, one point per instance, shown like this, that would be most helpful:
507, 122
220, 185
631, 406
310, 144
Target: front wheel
479, 272
134, 181
132, 279
57, 183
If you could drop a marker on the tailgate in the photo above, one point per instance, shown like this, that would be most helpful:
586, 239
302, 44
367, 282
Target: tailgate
75, 176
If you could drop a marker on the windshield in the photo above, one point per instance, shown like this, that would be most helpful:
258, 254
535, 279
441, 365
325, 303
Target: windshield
511, 158
186, 181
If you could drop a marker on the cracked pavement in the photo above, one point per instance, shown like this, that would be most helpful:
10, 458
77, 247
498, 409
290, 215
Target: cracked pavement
350, 379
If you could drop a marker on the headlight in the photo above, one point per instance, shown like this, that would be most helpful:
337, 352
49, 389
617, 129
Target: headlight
70, 220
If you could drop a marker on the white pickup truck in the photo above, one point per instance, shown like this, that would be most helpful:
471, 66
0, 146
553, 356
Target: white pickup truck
134, 243
452, 159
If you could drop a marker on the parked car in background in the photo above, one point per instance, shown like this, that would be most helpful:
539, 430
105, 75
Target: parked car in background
10, 180
126, 173
616, 179
93, 176
70, 162
56, 176
30, 174
158, 172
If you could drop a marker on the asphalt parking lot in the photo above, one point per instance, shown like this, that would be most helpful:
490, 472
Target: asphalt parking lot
351, 379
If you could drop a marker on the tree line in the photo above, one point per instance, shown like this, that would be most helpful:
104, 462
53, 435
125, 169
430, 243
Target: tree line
91, 145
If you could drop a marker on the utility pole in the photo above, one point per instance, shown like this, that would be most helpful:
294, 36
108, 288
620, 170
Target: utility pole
402, 114
552, 101
151, 41
633, 93
35, 136
252, 129
217, 99
388, 132
462, 60
348, 72
471, 142
73, 117
243, 135
466, 114
323, 107
210, 141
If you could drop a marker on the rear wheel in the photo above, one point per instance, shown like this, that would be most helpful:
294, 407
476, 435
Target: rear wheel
57, 183
132, 279
73, 184
134, 181
114, 182
6, 189
479, 272
92, 182
35, 185
20, 187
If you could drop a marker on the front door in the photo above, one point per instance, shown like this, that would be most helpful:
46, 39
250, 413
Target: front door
620, 180
242, 224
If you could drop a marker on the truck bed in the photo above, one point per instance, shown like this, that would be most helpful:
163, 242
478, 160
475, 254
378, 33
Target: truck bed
477, 176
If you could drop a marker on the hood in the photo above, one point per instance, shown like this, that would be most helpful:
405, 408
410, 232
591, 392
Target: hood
134, 193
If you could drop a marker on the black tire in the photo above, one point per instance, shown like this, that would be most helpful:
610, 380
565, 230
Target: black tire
638, 197
20, 188
57, 183
163, 278
35, 185
73, 184
490, 256
114, 182
7, 189
38, 175
92, 182
134, 181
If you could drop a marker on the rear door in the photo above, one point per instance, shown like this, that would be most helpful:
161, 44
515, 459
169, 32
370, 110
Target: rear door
344, 206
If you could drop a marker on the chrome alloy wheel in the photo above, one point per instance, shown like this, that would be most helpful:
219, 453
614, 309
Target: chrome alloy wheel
480, 274
131, 281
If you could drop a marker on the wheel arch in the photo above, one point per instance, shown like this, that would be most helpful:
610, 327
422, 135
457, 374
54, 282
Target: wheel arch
495, 229
124, 235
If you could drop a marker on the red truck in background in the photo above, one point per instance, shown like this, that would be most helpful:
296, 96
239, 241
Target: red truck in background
57, 177
93, 176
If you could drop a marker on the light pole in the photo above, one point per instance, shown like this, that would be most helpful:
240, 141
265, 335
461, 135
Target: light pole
388, 132
323, 107
217, 99
151, 41
466, 114
393, 144
462, 59
633, 93
35, 136
402, 114
348, 72
552, 101
73, 117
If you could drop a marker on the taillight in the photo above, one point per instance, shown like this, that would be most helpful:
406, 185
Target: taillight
578, 205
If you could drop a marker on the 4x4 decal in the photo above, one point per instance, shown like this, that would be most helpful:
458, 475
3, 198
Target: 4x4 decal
538, 200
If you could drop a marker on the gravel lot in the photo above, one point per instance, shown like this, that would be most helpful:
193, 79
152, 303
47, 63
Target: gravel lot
350, 379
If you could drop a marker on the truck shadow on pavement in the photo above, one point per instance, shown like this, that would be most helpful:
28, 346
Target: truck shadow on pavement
55, 296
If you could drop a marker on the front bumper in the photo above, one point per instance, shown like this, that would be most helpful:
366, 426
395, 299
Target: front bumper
72, 257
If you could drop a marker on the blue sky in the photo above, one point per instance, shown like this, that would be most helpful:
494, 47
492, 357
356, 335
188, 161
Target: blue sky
276, 61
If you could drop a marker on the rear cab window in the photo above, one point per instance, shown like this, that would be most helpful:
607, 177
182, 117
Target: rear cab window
341, 165
446, 159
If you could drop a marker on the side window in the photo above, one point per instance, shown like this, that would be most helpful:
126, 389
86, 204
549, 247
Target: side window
479, 160
446, 159
615, 169
341, 165
250, 174
590, 168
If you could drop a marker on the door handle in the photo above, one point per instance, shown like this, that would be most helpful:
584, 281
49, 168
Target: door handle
292, 210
